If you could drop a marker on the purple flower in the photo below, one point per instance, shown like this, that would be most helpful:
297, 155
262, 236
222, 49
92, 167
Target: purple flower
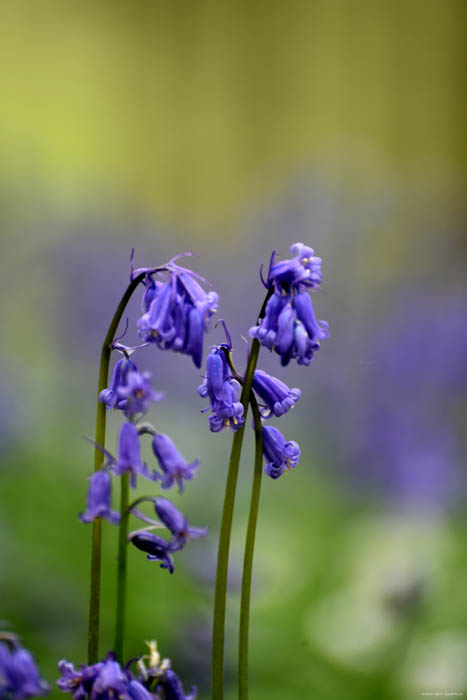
280, 455
78, 683
110, 682
171, 462
178, 525
137, 392
304, 268
129, 458
276, 395
156, 547
19, 675
176, 312
223, 391
119, 379
137, 691
99, 500
173, 688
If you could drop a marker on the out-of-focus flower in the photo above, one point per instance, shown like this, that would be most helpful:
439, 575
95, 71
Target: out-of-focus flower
19, 675
77, 682
178, 525
281, 455
223, 391
173, 688
176, 312
276, 395
175, 468
137, 392
99, 501
156, 548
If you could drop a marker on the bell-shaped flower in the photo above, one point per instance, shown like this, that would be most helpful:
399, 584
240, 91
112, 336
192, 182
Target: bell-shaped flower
156, 548
129, 456
174, 467
137, 392
304, 268
223, 391
118, 380
316, 330
173, 688
99, 500
19, 675
77, 682
281, 455
111, 681
276, 395
178, 525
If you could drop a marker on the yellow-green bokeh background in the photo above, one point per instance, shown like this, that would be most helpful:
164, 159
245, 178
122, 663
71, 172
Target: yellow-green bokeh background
190, 125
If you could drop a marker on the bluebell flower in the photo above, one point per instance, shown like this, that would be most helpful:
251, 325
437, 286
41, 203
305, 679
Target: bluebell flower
136, 393
174, 467
276, 395
99, 501
156, 548
178, 525
304, 268
118, 379
173, 688
19, 675
176, 312
137, 691
129, 457
77, 682
280, 455
111, 681
223, 392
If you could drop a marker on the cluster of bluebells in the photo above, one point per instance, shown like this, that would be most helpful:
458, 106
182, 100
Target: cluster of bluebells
175, 314
289, 327
19, 675
154, 679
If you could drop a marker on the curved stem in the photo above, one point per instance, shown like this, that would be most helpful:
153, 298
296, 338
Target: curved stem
218, 632
122, 566
96, 543
248, 556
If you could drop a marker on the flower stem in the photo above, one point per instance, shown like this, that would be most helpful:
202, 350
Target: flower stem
218, 632
96, 542
122, 566
248, 556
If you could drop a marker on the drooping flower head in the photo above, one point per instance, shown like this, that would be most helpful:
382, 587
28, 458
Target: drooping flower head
19, 675
176, 311
173, 688
303, 268
174, 467
130, 390
281, 455
118, 380
276, 395
223, 391
129, 456
77, 682
178, 525
156, 548
99, 501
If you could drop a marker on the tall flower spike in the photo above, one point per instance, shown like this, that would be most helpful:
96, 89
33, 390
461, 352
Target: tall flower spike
276, 395
280, 455
178, 525
223, 391
174, 467
99, 501
156, 548
129, 457
19, 675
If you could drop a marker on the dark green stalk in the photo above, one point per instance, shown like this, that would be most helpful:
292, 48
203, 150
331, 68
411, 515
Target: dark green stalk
96, 543
248, 556
218, 632
122, 566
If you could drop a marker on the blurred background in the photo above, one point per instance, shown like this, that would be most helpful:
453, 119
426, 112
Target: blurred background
229, 129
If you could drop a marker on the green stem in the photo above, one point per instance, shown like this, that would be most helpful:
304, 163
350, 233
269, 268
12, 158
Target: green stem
96, 542
248, 556
218, 632
122, 566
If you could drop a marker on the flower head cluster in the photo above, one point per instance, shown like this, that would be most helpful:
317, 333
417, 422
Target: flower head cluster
107, 680
157, 548
19, 675
176, 311
289, 326
223, 391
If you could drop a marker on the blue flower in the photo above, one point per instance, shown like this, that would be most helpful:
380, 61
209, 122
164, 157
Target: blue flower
223, 391
176, 312
178, 525
134, 396
173, 688
19, 675
99, 500
171, 462
77, 682
280, 455
137, 691
156, 548
304, 268
111, 681
119, 377
129, 457
276, 395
